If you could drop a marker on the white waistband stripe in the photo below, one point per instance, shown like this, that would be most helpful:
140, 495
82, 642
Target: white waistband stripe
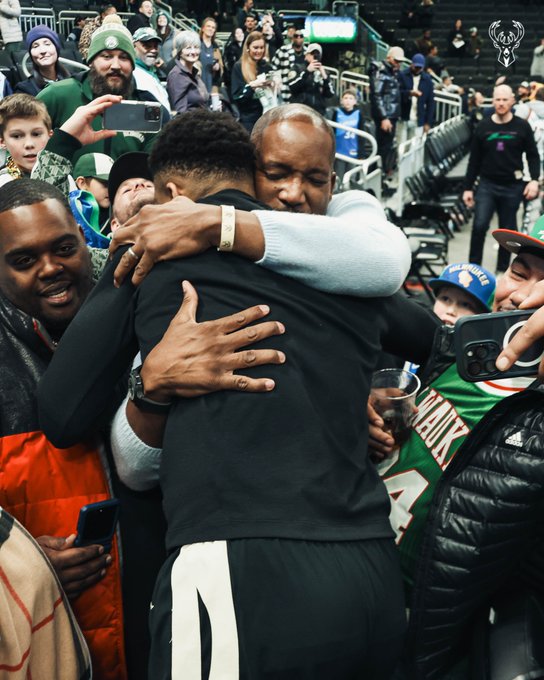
203, 568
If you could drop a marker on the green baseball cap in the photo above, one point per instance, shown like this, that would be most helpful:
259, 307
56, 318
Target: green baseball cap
514, 241
96, 165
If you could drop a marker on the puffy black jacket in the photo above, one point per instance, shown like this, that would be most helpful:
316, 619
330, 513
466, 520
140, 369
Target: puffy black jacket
482, 552
384, 91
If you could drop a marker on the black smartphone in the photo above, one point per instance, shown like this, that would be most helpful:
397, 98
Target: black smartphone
97, 522
481, 338
133, 116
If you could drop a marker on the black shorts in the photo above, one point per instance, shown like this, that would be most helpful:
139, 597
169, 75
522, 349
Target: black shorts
278, 609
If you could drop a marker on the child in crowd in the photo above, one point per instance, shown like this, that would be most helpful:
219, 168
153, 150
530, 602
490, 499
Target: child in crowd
348, 143
462, 290
90, 202
25, 128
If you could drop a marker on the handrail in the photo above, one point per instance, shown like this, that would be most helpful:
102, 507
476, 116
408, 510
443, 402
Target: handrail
371, 180
447, 105
411, 157
125, 16
358, 133
360, 81
164, 5
184, 23
334, 75
34, 16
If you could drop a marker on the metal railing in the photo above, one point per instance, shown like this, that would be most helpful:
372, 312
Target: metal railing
360, 82
32, 16
448, 105
371, 41
125, 16
66, 18
165, 6
184, 23
411, 158
366, 176
334, 77
359, 173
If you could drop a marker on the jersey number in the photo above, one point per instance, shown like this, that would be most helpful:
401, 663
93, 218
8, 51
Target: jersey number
404, 489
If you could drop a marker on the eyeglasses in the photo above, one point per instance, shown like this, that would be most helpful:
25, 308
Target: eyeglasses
298, 35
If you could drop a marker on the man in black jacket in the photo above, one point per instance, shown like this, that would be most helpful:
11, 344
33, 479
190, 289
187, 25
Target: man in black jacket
482, 546
385, 102
496, 156
310, 83
142, 18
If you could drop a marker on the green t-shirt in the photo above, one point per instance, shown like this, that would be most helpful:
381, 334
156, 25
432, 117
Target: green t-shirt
448, 410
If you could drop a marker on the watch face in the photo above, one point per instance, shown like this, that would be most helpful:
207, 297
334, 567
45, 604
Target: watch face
134, 384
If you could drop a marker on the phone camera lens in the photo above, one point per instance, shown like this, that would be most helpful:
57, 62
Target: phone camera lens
474, 368
490, 366
481, 352
152, 113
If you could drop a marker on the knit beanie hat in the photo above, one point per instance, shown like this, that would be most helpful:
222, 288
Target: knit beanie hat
111, 35
42, 31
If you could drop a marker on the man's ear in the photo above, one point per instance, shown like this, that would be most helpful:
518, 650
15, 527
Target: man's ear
333, 183
81, 182
114, 224
173, 190
2, 145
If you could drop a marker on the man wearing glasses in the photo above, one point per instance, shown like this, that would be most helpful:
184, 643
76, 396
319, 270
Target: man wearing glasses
385, 103
289, 60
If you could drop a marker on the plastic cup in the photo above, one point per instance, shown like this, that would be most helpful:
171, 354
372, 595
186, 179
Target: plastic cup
215, 102
393, 396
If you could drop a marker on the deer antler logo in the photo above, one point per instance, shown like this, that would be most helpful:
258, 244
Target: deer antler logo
506, 41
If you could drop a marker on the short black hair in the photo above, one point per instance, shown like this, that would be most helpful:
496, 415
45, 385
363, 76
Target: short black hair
22, 192
203, 143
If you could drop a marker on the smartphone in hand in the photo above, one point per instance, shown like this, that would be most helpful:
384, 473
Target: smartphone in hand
133, 116
97, 523
481, 338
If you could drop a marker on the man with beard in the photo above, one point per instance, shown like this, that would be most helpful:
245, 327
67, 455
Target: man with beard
146, 44
111, 58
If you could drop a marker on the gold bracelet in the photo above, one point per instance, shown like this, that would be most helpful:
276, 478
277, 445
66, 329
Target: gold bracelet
228, 228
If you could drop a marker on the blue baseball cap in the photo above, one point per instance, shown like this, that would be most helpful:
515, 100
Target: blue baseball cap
418, 60
478, 282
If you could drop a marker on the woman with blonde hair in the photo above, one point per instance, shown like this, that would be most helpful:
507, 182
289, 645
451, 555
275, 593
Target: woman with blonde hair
185, 87
251, 87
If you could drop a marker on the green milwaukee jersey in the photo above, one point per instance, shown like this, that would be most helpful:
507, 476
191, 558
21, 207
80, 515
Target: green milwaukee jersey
448, 409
